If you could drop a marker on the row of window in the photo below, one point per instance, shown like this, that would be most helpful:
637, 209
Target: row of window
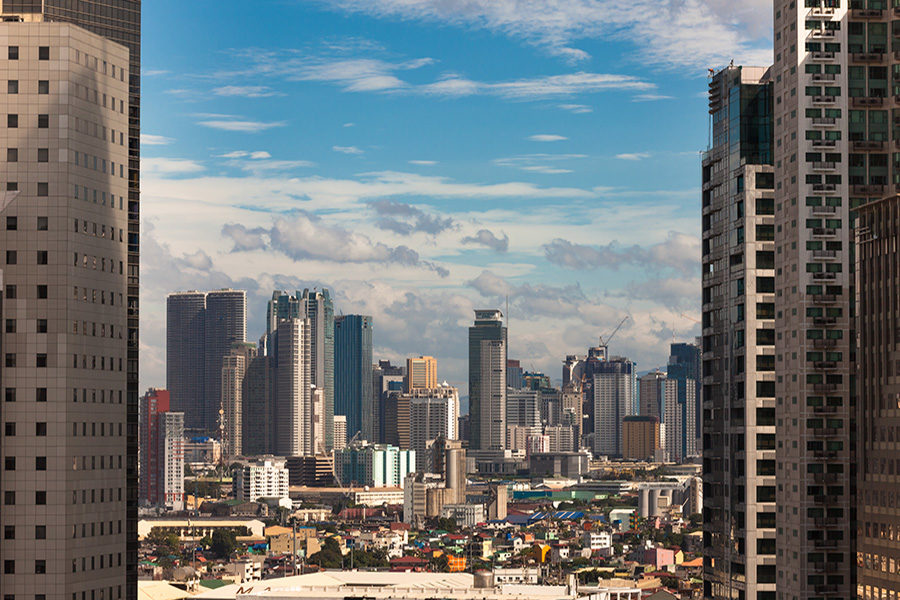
40, 429
93, 129
41, 257
91, 95
40, 463
43, 86
94, 296
9, 498
89, 161
93, 362
103, 465
43, 121
98, 197
102, 429
90, 328
41, 363
94, 396
12, 53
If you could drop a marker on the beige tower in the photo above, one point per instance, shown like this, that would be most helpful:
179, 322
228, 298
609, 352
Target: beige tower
234, 368
421, 373
64, 238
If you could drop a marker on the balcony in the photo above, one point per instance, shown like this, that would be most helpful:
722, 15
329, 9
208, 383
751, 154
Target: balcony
822, 55
824, 187
867, 190
868, 57
823, 231
824, 210
866, 101
824, 121
824, 166
824, 276
826, 589
825, 544
866, 145
824, 387
866, 13
824, 143
826, 521
825, 321
823, 77
824, 254
823, 345
825, 410
823, 454
822, 34
824, 99
821, 11
824, 298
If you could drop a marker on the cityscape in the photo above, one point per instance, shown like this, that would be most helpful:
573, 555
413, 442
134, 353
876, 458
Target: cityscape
487, 319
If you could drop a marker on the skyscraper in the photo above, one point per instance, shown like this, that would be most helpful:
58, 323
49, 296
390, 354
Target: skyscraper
487, 381
673, 403
386, 378
292, 395
738, 201
257, 422
831, 79
421, 372
686, 362
226, 325
186, 355
613, 386
433, 413
878, 420
234, 370
66, 299
353, 373
161, 439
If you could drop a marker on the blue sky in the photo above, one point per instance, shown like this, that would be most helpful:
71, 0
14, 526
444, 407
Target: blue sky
422, 158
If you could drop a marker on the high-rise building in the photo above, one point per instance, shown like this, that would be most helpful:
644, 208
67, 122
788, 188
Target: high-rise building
833, 127
68, 288
340, 431
653, 394
374, 465
226, 325
161, 464
396, 418
386, 378
257, 424
487, 381
185, 355
261, 477
201, 328
878, 419
613, 387
421, 372
515, 375
353, 373
640, 437
292, 395
433, 413
319, 309
686, 362
672, 402
234, 369
572, 411
738, 341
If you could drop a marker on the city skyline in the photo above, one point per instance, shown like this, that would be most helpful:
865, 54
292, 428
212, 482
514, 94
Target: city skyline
511, 213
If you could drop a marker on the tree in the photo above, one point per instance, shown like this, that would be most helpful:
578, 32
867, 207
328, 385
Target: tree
442, 524
223, 543
329, 556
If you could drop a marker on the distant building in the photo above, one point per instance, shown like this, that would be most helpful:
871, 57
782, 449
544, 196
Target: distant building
433, 413
374, 465
352, 373
262, 477
292, 394
340, 431
487, 381
386, 378
640, 437
311, 471
559, 464
234, 369
536, 380
421, 372
686, 362
257, 423
161, 443
561, 438
515, 376
465, 515
523, 407
613, 387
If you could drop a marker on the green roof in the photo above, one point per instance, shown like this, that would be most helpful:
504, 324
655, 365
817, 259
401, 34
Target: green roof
213, 583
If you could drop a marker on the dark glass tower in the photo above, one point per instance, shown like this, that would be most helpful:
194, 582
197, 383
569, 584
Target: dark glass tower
353, 373
487, 381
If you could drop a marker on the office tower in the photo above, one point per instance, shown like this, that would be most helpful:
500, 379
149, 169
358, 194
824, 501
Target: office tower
833, 124
261, 477
738, 340
292, 395
257, 395
653, 394
640, 437
613, 388
523, 416
234, 369
878, 419
686, 362
67, 327
571, 411
340, 431
385, 378
673, 403
487, 381
161, 438
433, 413
353, 373
374, 465
578, 372
515, 376
536, 380
562, 438
226, 325
421, 372
448, 459
185, 355
396, 419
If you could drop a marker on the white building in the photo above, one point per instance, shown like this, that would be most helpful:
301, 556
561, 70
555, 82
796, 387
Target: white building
263, 477
173, 459
293, 397
465, 515
613, 401
433, 412
374, 465
340, 431
598, 542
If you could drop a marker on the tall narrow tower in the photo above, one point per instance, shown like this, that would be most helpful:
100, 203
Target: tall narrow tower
487, 381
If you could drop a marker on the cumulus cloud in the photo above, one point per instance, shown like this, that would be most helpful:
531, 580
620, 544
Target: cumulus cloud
170, 166
488, 239
406, 219
148, 139
307, 237
679, 251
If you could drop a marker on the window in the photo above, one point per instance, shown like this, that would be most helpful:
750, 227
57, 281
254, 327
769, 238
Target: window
13, 53
42, 292
40, 566
40, 395
12, 120
12, 86
9, 463
43, 87
9, 429
40, 463
40, 498
43, 189
9, 567
10, 326
40, 429
43, 52
9, 532
10, 292
42, 257
10, 394
43, 224
41, 361
40, 532
43, 155
12, 186
12, 155
11, 223
9, 498
11, 257
43, 122
10, 360
42, 325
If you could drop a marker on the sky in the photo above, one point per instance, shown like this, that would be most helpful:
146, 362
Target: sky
424, 158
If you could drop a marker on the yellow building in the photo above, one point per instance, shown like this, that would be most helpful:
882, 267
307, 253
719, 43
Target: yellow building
421, 373
640, 437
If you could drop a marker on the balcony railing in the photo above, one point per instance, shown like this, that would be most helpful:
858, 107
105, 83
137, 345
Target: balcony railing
825, 343
823, 231
824, 276
822, 55
824, 210
824, 99
824, 298
824, 187
825, 365
864, 145
824, 166
824, 121
824, 143
866, 13
823, 77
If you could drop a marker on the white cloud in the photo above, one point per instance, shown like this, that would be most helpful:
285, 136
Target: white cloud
535, 163
347, 150
651, 97
633, 155
423, 163
487, 238
577, 109
695, 33
246, 91
679, 251
170, 166
148, 139
547, 137
241, 126
349, 124
537, 87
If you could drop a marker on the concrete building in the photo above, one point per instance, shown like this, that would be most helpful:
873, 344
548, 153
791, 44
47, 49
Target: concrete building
738, 200
262, 477
311, 471
640, 437
421, 372
686, 363
613, 388
234, 369
386, 378
353, 374
257, 423
653, 393
396, 409
523, 407
433, 413
559, 464
561, 438
340, 431
292, 394
374, 465
487, 381
465, 515
448, 460
161, 443
515, 375
67, 286
226, 325
878, 523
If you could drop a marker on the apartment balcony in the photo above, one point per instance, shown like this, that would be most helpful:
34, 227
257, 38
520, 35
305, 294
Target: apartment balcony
824, 232
825, 410
820, 77
821, 434
824, 210
822, 454
822, 34
824, 121
868, 57
823, 345
824, 298
824, 187
825, 321
824, 276
826, 589
826, 544
826, 521
866, 13
821, 11
823, 144
867, 190
824, 99
866, 101
866, 145
824, 56
824, 166
825, 388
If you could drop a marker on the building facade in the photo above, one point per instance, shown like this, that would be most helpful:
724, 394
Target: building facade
421, 372
353, 373
262, 477
234, 370
374, 465
613, 388
161, 443
226, 325
386, 378
292, 393
739, 363
487, 381
640, 438
186, 356
68, 363
433, 413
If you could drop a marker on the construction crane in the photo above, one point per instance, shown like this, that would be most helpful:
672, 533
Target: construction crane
613, 334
